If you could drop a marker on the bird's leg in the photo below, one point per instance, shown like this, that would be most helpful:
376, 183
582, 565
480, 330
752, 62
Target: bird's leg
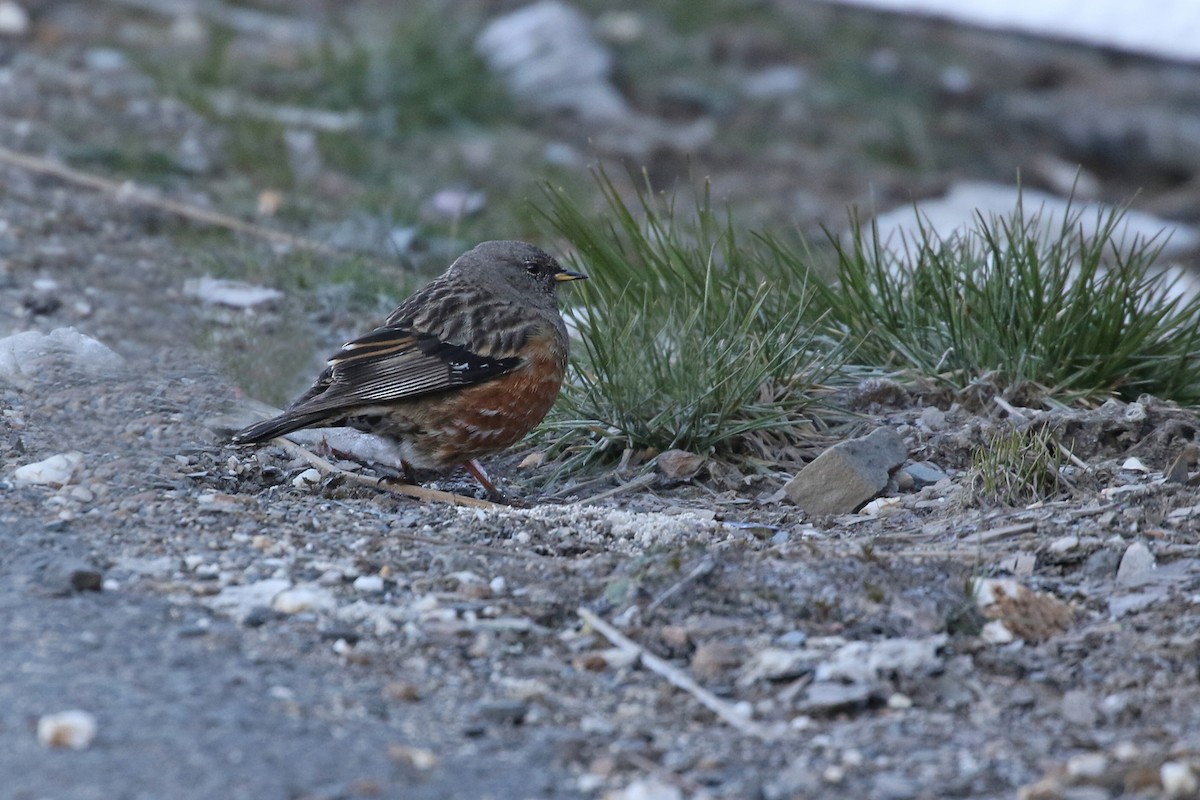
477, 472
410, 475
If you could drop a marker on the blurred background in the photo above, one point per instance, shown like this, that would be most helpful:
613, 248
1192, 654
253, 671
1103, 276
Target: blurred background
396, 134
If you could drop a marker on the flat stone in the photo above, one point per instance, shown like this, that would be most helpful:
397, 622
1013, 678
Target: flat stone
847, 475
830, 697
924, 473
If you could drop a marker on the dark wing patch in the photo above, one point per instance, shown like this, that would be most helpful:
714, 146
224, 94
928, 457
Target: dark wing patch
391, 364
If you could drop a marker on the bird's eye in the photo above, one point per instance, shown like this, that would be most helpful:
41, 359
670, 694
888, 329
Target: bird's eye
531, 267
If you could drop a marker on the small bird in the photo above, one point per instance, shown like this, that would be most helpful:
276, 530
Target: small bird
462, 369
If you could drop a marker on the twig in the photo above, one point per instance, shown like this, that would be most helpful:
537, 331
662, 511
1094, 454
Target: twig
130, 193
1003, 532
640, 482
1074, 459
1013, 412
677, 678
419, 492
704, 568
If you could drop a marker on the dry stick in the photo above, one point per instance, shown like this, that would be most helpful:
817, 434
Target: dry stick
419, 492
130, 193
677, 678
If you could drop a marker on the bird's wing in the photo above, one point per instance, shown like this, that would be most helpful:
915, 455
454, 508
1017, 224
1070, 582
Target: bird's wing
390, 364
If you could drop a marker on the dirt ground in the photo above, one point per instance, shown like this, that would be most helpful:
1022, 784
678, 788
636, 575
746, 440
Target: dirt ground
236, 631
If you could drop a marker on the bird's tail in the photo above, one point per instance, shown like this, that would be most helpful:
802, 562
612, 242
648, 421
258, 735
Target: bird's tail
280, 426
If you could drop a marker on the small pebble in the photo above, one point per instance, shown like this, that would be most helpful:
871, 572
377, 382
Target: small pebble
73, 729
368, 584
1178, 779
307, 479
303, 598
1087, 765
1062, 544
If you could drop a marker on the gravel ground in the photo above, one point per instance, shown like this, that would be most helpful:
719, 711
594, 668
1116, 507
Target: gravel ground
234, 630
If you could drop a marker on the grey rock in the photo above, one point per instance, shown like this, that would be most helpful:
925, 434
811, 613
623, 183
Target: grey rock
848, 474
1102, 564
1136, 565
894, 786
62, 575
866, 662
550, 60
830, 697
924, 473
933, 418
1079, 708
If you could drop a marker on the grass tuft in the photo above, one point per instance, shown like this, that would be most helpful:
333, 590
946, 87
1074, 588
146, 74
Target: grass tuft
1015, 467
689, 338
1019, 302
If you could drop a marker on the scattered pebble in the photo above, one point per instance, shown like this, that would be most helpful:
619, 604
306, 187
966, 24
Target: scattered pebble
24, 356
73, 729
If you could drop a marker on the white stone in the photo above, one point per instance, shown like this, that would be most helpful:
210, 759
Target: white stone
1136, 565
996, 632
865, 662
238, 601
56, 471
299, 599
235, 294
548, 57
368, 584
1134, 465
647, 789
14, 19
307, 479
1087, 765
1063, 543
1178, 780
74, 729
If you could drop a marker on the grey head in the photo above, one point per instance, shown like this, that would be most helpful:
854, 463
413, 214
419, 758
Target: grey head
513, 270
